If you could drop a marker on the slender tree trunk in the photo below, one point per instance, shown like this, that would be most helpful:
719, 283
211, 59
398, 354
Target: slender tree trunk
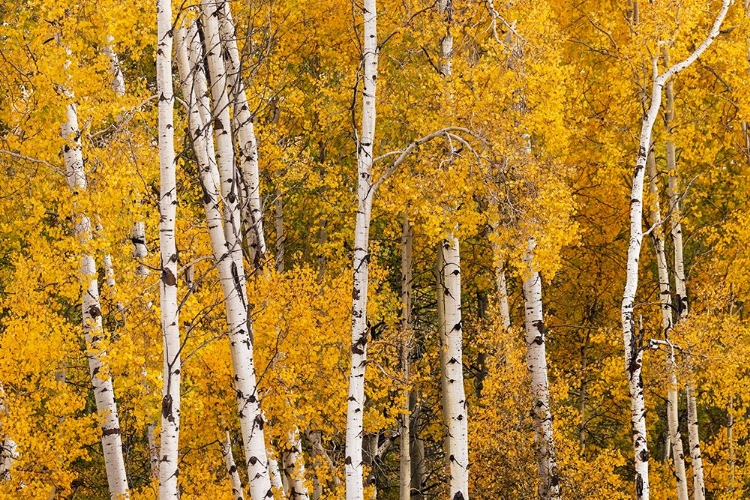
356, 399
406, 291
455, 414
699, 483
234, 475
277, 481
316, 446
153, 449
118, 79
418, 468
632, 342
245, 134
170, 405
294, 467
140, 251
665, 299
536, 360
8, 447
730, 438
231, 272
280, 237
92, 319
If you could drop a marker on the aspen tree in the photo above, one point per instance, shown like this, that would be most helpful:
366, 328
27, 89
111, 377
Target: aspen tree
632, 342
234, 475
451, 327
8, 447
405, 466
231, 273
170, 406
294, 467
92, 315
681, 299
665, 299
536, 360
244, 132
356, 400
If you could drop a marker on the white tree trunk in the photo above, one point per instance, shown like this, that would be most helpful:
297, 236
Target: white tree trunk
92, 320
681, 299
699, 483
234, 475
140, 251
276, 480
118, 79
170, 405
294, 467
418, 466
406, 292
245, 135
8, 447
454, 414
153, 449
356, 400
633, 352
536, 360
231, 272
665, 299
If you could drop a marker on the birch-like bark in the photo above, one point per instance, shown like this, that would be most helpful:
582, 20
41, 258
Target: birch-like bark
699, 483
681, 299
276, 480
407, 238
170, 405
231, 273
318, 450
232, 472
92, 318
294, 467
455, 414
665, 300
244, 131
536, 360
356, 400
631, 340
140, 251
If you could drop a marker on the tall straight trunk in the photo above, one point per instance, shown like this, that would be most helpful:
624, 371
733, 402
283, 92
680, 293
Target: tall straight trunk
294, 467
356, 400
231, 272
631, 341
730, 439
536, 360
92, 318
118, 79
170, 405
140, 251
407, 238
665, 299
234, 475
681, 299
244, 131
453, 379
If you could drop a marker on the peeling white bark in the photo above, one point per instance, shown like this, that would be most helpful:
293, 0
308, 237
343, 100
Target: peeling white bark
536, 360
353, 461
231, 272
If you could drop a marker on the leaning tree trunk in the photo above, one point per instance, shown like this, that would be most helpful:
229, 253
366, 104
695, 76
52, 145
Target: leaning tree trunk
536, 360
407, 238
231, 272
631, 340
92, 318
170, 406
356, 400
244, 131
665, 299
452, 369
